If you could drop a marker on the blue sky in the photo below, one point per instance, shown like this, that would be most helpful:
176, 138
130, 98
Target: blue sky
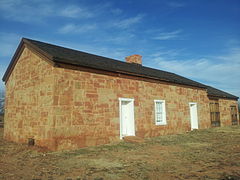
197, 39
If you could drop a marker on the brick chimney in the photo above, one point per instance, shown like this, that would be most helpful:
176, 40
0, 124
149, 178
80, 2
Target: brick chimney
137, 59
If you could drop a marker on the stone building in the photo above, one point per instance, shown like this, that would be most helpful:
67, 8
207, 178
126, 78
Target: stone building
66, 99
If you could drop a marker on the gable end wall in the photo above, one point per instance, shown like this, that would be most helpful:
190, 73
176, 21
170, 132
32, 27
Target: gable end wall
29, 99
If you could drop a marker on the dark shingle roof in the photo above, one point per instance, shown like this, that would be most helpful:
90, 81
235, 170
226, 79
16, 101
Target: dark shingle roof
60, 54
219, 93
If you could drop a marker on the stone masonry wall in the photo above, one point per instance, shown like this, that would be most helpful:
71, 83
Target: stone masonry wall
225, 111
29, 99
86, 107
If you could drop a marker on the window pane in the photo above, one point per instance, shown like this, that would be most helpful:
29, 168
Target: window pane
159, 112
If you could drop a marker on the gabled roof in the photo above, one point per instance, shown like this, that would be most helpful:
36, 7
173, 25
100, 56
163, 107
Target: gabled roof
58, 54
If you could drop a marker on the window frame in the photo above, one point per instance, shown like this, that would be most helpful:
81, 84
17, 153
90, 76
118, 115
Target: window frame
215, 118
164, 121
234, 114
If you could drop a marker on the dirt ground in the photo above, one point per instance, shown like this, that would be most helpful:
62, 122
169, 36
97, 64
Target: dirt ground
202, 154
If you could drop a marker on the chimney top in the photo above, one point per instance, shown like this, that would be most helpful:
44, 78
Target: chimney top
137, 59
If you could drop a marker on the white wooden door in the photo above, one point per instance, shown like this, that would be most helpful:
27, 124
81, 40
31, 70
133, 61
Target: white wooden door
193, 115
127, 127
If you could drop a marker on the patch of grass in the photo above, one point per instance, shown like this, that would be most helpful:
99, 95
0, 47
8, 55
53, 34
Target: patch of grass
120, 146
71, 153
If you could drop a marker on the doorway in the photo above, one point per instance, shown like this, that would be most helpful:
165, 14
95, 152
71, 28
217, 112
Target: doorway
126, 111
193, 115
234, 115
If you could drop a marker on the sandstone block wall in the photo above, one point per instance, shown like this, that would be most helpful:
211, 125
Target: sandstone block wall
224, 108
29, 99
86, 107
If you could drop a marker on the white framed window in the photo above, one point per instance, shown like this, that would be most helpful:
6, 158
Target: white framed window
160, 112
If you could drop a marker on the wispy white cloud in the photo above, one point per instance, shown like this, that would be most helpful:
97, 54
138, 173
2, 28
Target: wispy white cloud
74, 11
119, 39
221, 71
74, 29
126, 23
168, 35
175, 4
36, 11
122, 38
116, 11
172, 53
8, 43
25, 11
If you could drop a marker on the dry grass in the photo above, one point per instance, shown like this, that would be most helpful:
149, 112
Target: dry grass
203, 154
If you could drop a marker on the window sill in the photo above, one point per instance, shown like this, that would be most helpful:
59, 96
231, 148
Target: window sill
160, 124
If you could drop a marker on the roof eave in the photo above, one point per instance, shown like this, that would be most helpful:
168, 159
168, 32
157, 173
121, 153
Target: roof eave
223, 97
15, 56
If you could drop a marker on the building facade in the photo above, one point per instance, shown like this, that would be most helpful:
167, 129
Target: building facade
62, 103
